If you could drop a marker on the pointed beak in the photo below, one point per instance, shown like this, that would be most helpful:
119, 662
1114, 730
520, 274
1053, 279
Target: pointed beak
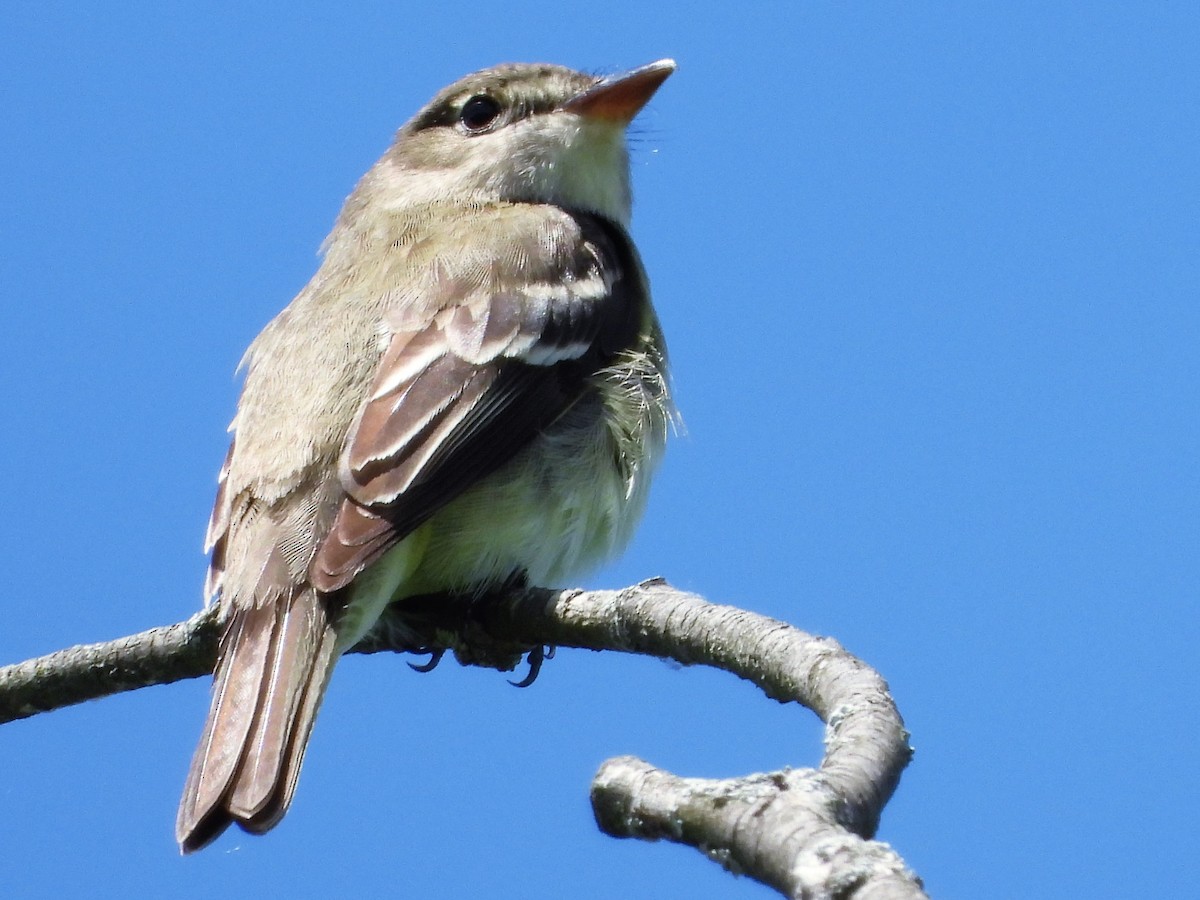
618, 98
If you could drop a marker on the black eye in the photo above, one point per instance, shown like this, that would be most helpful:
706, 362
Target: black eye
479, 113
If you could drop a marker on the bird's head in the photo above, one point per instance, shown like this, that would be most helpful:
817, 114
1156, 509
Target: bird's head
521, 133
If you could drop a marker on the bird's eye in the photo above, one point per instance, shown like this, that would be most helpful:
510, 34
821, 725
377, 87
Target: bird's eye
479, 113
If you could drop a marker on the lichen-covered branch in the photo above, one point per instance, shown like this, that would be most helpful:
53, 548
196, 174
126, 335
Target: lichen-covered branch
806, 832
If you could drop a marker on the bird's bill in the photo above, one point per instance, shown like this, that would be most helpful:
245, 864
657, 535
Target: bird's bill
618, 98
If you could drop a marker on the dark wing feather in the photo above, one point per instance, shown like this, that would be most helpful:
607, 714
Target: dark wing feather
218, 527
458, 395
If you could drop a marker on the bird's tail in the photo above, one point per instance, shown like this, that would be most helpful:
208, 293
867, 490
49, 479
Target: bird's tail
274, 664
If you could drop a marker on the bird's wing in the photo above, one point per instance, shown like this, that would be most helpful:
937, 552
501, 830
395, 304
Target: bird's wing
218, 527
510, 335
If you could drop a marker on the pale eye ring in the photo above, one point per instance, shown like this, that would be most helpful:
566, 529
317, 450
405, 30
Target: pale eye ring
479, 114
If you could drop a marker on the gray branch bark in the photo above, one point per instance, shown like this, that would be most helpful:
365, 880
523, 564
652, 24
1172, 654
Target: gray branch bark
805, 832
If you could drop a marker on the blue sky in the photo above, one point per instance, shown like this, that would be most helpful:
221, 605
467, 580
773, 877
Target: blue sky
930, 277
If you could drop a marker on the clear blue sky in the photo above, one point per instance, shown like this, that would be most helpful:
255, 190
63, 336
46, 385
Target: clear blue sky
930, 274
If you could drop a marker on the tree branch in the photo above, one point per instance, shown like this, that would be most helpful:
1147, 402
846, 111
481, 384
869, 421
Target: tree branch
90, 671
805, 832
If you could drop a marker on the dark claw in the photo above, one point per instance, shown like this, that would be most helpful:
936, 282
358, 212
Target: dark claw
435, 657
535, 658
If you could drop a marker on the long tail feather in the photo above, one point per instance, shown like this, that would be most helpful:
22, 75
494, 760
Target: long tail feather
274, 666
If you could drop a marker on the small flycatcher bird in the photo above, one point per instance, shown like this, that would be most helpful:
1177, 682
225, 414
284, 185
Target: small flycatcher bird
472, 389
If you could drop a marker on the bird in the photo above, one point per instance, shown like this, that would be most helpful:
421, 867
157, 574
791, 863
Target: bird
472, 391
